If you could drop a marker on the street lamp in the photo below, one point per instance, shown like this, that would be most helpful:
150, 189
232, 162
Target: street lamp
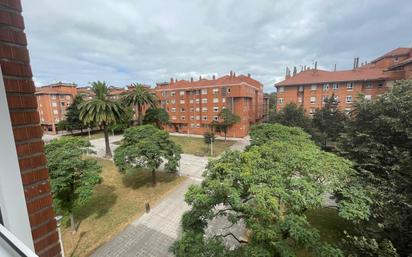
58, 219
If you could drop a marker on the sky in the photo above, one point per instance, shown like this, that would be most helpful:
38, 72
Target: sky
126, 41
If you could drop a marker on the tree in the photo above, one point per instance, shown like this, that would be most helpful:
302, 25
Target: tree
140, 96
268, 189
72, 177
146, 147
156, 116
124, 122
228, 119
209, 137
73, 115
292, 115
329, 120
102, 111
379, 141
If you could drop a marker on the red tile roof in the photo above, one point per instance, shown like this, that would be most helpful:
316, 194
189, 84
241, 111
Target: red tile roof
321, 76
402, 63
401, 51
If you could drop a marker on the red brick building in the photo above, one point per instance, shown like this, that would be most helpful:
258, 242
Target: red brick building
310, 86
53, 101
25, 199
193, 105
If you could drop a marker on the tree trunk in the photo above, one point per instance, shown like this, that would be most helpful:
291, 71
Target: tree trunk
139, 114
81, 130
72, 224
106, 140
154, 177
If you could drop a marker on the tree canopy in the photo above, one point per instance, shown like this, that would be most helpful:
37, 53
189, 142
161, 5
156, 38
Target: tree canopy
139, 95
228, 119
379, 141
102, 110
268, 188
147, 147
72, 177
156, 116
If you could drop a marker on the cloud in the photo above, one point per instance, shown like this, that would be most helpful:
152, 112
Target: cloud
124, 41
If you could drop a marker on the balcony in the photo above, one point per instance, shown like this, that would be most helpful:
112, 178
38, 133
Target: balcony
11, 246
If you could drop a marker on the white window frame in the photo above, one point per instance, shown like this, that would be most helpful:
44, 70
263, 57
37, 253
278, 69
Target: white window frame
281, 100
335, 86
281, 89
349, 86
215, 109
313, 99
347, 99
313, 87
325, 87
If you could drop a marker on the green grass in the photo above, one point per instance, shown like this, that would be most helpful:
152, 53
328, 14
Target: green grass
196, 146
329, 224
115, 203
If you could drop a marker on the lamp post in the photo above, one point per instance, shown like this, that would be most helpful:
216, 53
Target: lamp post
58, 219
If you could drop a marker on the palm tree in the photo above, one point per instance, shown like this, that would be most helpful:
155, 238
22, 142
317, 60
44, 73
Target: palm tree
139, 96
102, 111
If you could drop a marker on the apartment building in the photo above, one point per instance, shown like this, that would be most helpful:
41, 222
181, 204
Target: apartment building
27, 220
311, 86
193, 105
53, 101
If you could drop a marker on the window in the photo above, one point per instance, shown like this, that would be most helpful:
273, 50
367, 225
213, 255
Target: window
204, 91
173, 93
368, 97
173, 101
164, 93
181, 93
62, 104
182, 109
193, 125
312, 111
281, 89
204, 109
191, 101
215, 100
182, 101
349, 99
335, 86
192, 109
55, 112
368, 85
53, 96
281, 100
192, 117
349, 86
299, 99
223, 100
228, 90
204, 100
215, 118
380, 84
215, 109
325, 87
197, 125
173, 117
54, 104
197, 117
300, 88
197, 100
182, 117
313, 87
313, 99
173, 109
324, 98
204, 117
67, 97
215, 91
197, 109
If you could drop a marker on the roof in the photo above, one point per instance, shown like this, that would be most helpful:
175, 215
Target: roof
402, 63
224, 80
401, 51
321, 76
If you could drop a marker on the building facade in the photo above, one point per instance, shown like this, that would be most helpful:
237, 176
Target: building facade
311, 86
26, 210
53, 101
193, 105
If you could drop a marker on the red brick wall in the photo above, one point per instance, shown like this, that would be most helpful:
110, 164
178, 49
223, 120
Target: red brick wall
15, 64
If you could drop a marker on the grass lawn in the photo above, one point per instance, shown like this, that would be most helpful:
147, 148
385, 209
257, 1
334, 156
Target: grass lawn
115, 203
329, 224
193, 145
93, 135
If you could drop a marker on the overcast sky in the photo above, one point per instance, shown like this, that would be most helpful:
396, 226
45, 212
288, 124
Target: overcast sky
149, 41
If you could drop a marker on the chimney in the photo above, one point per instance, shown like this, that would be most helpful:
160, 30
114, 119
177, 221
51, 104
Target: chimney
213, 77
231, 73
334, 69
354, 63
357, 62
316, 65
200, 77
171, 80
191, 79
248, 75
234, 74
287, 75
294, 71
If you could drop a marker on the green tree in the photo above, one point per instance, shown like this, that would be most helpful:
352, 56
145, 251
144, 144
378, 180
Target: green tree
140, 96
102, 111
379, 141
292, 115
124, 122
72, 177
146, 147
73, 115
228, 119
156, 116
268, 188
329, 120
209, 138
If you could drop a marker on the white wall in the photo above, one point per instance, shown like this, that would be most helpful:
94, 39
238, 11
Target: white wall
12, 200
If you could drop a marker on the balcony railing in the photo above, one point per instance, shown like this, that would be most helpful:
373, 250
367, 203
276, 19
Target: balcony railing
11, 246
